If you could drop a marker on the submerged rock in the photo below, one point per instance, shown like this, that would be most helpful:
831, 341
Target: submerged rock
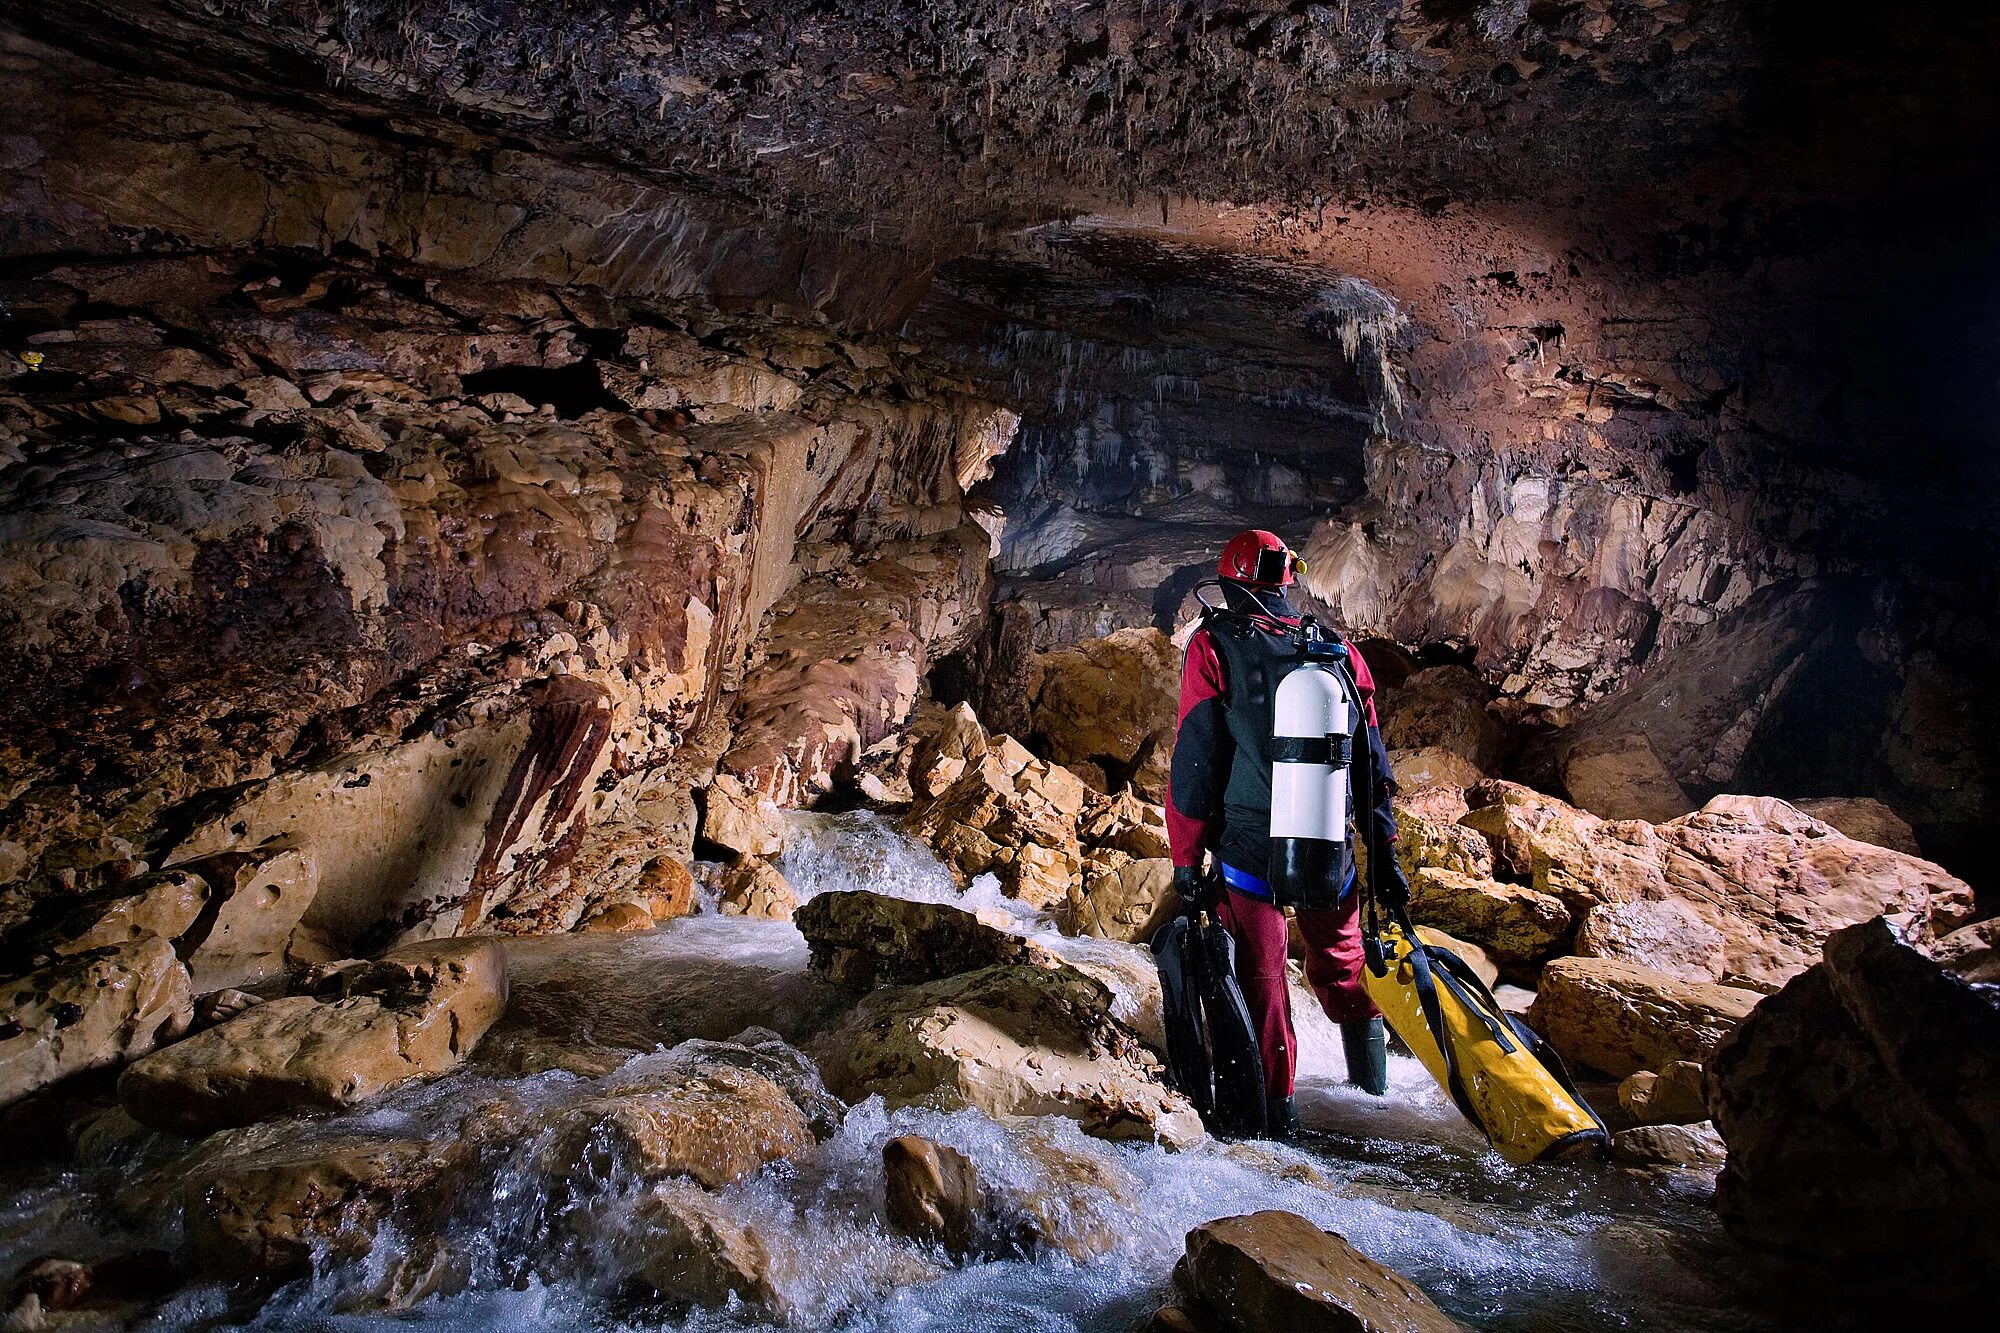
932, 1192
419, 1011
91, 1010
693, 1251
1620, 1018
1861, 1105
713, 1122
1011, 1040
1275, 1272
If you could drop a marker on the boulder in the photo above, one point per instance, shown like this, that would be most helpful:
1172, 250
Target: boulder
1128, 903
713, 1122
1972, 952
1527, 829
1426, 841
755, 887
1516, 925
1620, 1018
862, 940
90, 1010
746, 821
1692, 1147
942, 757
932, 1192
1011, 1040
1663, 934
1776, 883
259, 1202
618, 918
1620, 777
1273, 1271
1864, 819
1433, 766
417, 1012
1861, 1105
1127, 823
1475, 957
167, 904
256, 901
1443, 708
1677, 1095
665, 888
1013, 816
693, 1251
1111, 701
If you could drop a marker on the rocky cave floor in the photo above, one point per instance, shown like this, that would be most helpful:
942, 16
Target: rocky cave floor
591, 599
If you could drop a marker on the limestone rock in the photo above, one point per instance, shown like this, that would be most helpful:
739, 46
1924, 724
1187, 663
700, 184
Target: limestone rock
1516, 925
1475, 957
1864, 819
1677, 1095
1861, 1105
1777, 882
746, 822
1443, 708
263, 894
419, 1011
1528, 831
1433, 766
259, 1201
755, 887
942, 757
1014, 816
1112, 701
1973, 952
1011, 1040
91, 1010
167, 903
691, 1250
1620, 1018
1273, 1271
713, 1122
933, 1192
1620, 777
1128, 903
1425, 841
1127, 823
1693, 1147
618, 918
862, 940
1663, 934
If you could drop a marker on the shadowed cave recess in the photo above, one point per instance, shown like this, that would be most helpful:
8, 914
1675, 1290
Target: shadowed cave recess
496, 454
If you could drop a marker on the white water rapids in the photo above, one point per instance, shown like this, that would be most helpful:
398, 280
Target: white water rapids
1549, 1249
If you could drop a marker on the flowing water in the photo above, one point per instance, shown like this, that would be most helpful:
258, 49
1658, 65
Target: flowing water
529, 1245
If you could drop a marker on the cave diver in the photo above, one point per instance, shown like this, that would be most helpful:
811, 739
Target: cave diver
1236, 754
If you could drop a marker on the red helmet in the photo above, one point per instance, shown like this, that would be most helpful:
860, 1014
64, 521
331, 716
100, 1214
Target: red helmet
1258, 558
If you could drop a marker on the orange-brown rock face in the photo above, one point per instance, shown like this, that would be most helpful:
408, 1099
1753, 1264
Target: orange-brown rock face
460, 588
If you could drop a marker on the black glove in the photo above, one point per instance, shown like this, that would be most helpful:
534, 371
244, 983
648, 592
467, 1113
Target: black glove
1392, 886
1191, 884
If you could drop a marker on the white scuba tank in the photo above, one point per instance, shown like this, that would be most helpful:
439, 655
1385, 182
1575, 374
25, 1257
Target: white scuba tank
1311, 750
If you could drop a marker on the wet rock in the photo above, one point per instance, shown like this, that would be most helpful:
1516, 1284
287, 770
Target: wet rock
1011, 815
1516, 925
259, 1202
1475, 957
1128, 903
746, 822
1972, 952
755, 887
1620, 1018
91, 1010
693, 1251
1864, 819
618, 918
933, 1192
1868, 1089
166, 904
1677, 1095
1275, 1270
862, 940
1443, 708
1693, 1147
713, 1122
417, 1012
222, 1005
1011, 1040
1663, 934
942, 757
1620, 777
260, 897
1111, 702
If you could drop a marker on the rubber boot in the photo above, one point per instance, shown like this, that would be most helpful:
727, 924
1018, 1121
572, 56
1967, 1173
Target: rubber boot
1365, 1042
1281, 1119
